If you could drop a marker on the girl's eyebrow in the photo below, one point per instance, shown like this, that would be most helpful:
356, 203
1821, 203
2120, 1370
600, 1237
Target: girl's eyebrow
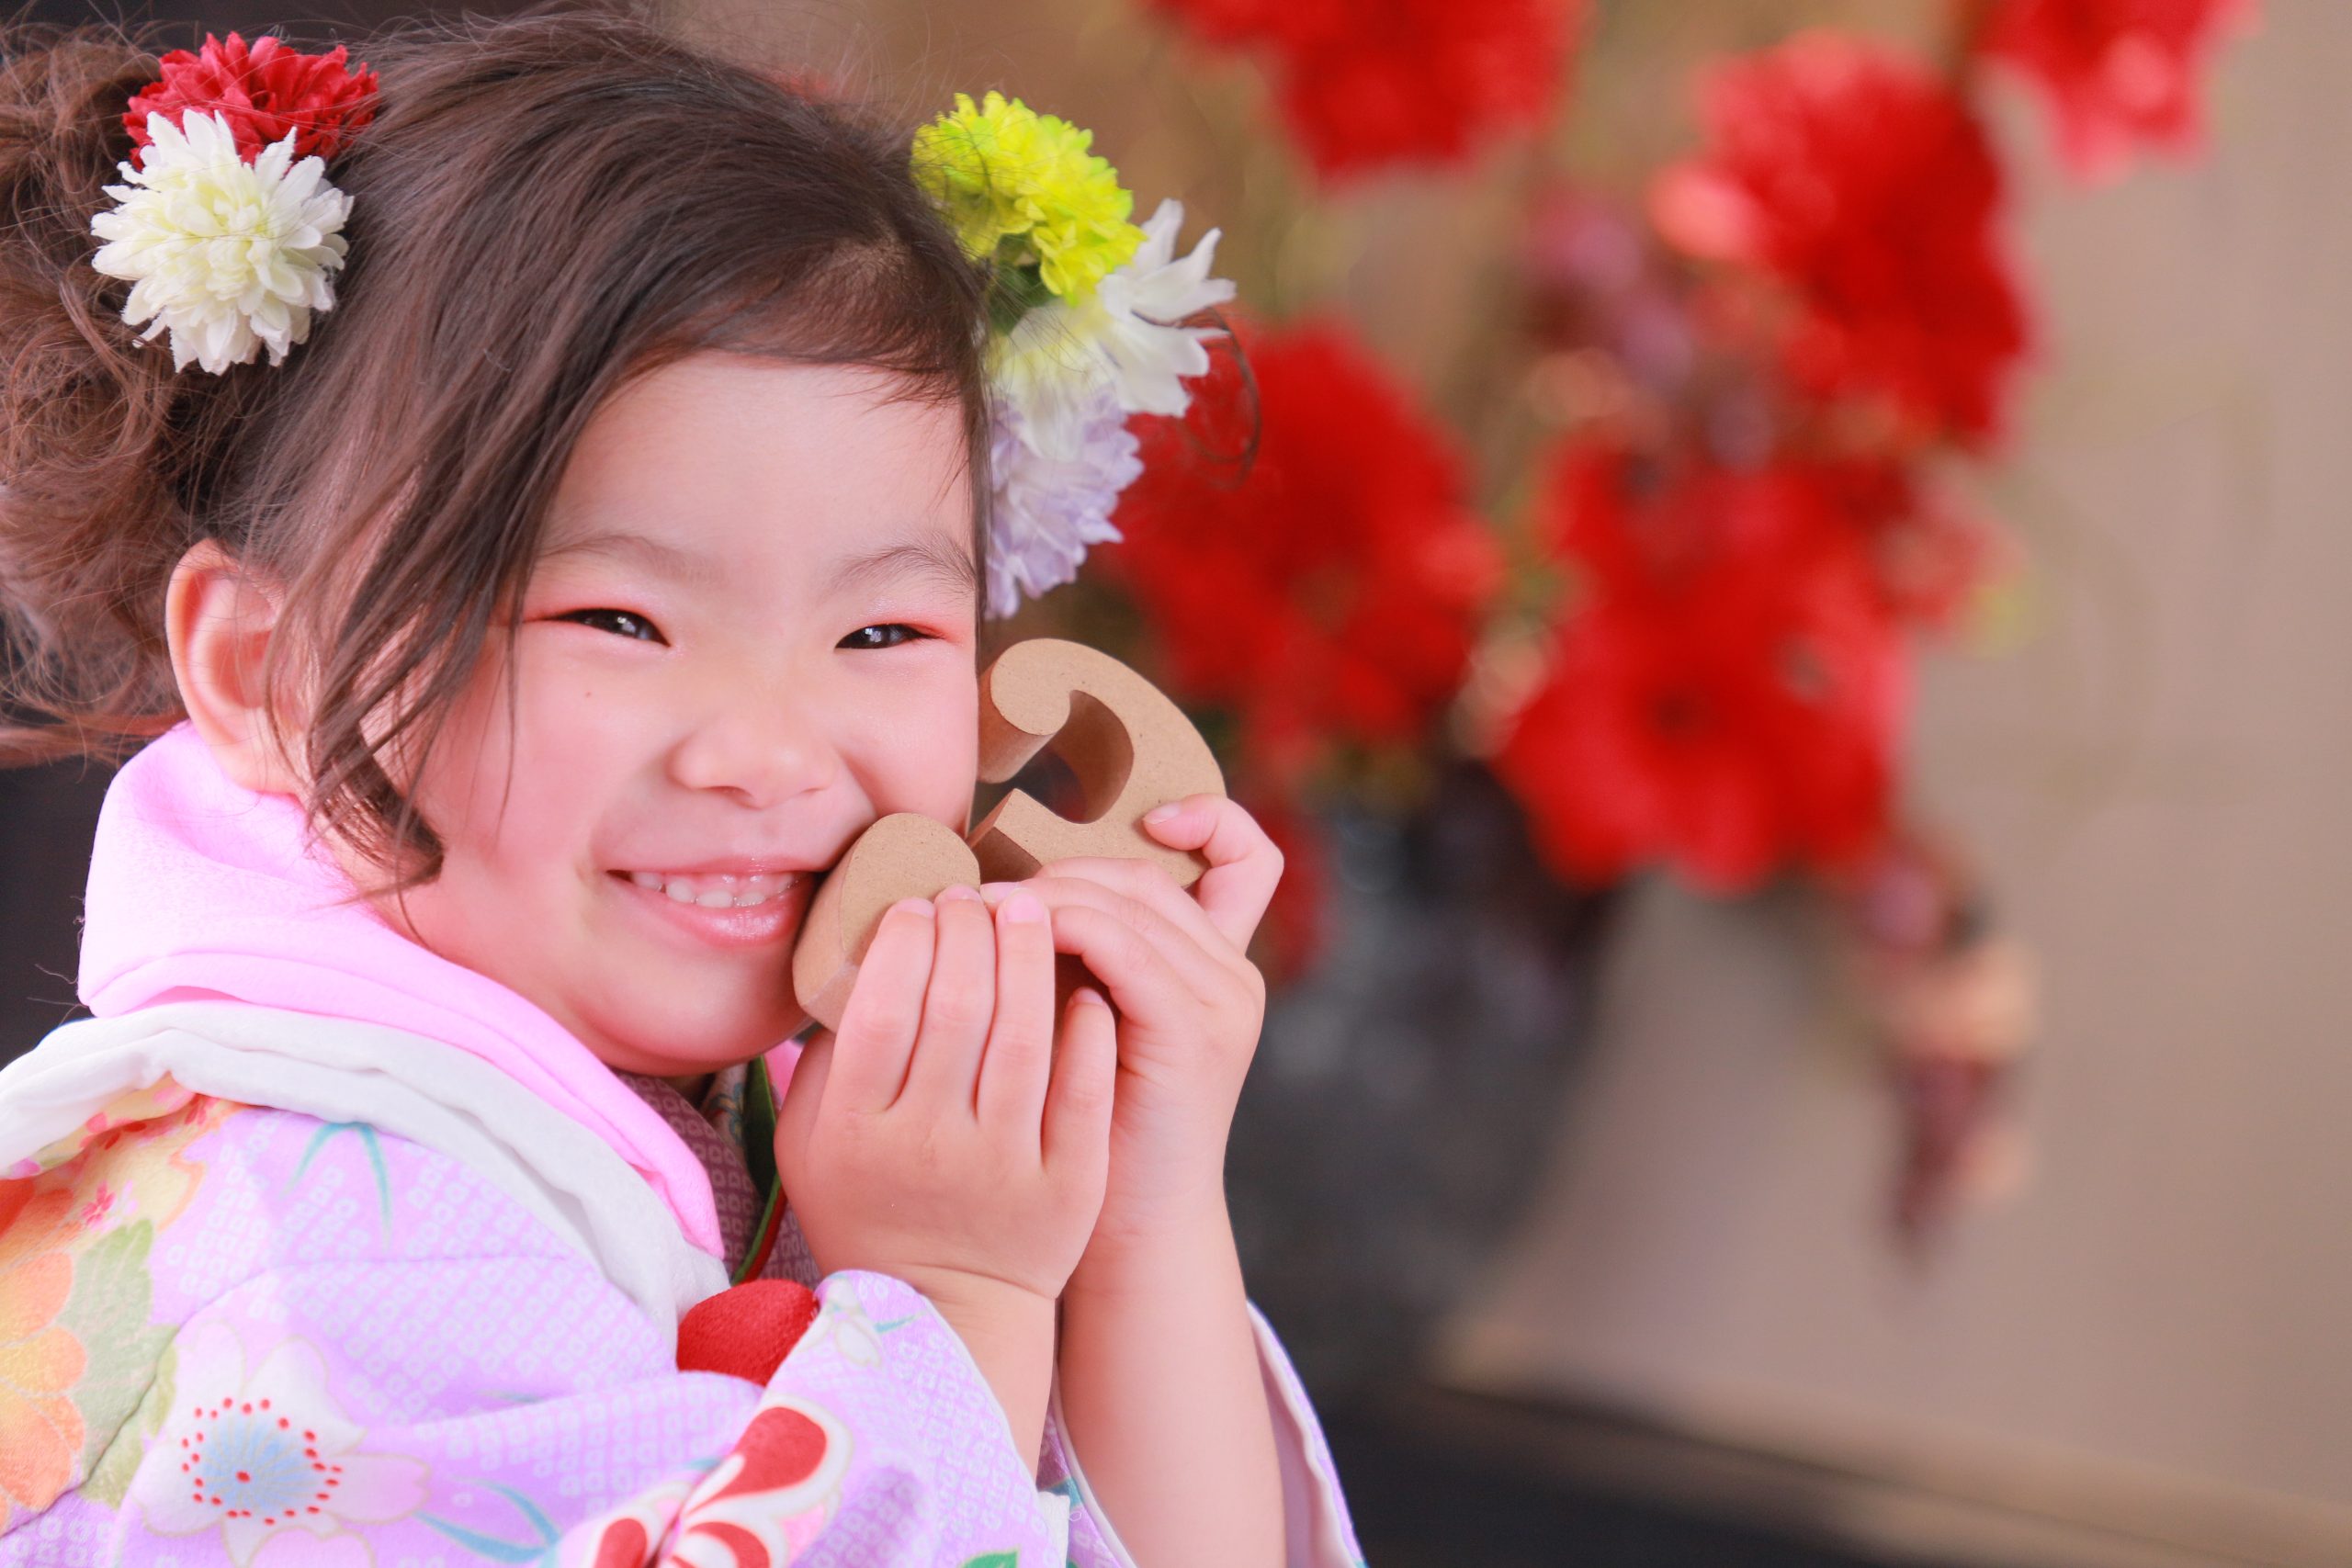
931, 558
924, 559
647, 554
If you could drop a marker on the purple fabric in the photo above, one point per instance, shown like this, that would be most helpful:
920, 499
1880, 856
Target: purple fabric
732, 1194
355, 1350
714, 1132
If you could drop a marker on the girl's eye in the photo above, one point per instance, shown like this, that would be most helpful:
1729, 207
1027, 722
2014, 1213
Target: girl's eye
889, 634
620, 623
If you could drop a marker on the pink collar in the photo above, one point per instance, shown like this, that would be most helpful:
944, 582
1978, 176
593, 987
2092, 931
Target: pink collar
201, 889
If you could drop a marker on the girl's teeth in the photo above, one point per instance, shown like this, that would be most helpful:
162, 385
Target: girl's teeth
721, 892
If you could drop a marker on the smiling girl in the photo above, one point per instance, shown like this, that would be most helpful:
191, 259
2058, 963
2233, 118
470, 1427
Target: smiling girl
533, 502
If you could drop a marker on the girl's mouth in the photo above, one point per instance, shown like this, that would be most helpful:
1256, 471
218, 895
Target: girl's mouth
719, 909
724, 891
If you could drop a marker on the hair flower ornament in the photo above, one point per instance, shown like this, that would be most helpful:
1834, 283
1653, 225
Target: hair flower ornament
1089, 326
226, 227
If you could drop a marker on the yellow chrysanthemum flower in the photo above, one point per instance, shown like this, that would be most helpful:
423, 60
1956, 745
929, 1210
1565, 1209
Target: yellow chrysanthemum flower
1001, 171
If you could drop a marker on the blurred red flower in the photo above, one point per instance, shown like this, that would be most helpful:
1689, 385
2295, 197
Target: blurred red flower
2116, 73
1859, 181
1727, 695
263, 91
1329, 595
1365, 84
1929, 557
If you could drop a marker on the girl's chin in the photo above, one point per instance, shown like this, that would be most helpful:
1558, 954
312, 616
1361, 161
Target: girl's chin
713, 1047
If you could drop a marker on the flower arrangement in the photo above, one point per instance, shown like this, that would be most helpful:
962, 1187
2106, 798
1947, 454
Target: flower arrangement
1673, 596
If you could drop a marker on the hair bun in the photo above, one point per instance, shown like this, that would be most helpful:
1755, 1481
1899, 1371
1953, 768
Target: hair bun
90, 525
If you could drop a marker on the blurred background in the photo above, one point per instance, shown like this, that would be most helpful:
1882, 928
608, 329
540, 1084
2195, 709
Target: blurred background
1772, 563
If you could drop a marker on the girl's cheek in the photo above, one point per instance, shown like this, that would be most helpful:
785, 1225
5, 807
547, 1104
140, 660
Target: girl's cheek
932, 750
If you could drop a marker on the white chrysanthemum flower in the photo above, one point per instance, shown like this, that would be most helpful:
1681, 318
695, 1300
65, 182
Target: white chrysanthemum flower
1128, 329
1150, 355
228, 257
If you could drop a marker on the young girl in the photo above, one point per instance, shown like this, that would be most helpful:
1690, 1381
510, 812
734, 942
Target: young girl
540, 535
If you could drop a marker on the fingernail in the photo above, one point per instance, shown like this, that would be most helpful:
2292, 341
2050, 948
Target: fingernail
1023, 907
1160, 813
959, 891
1090, 996
913, 906
994, 892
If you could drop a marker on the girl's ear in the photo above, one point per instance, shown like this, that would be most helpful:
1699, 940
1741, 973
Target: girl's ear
218, 618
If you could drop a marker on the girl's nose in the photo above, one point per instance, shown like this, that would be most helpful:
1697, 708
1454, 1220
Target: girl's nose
761, 755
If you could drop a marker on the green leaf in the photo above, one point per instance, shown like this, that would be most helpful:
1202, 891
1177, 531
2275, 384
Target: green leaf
108, 1312
996, 1559
375, 1151
109, 1478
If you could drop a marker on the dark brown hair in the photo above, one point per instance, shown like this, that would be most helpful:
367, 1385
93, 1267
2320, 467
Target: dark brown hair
541, 210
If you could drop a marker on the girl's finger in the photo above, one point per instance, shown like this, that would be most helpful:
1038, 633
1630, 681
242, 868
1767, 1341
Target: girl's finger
1149, 885
957, 1006
1203, 974
1244, 865
1077, 1125
1136, 974
885, 1008
796, 1117
1014, 1072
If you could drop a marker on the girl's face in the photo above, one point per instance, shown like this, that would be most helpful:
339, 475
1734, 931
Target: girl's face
753, 632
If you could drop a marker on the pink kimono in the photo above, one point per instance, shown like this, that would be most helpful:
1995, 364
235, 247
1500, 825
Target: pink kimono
316, 1248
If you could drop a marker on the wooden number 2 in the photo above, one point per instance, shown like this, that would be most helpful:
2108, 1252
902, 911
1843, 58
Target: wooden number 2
1129, 748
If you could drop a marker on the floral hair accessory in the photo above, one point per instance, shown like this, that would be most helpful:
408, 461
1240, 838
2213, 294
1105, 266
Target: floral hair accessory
1088, 326
228, 241
263, 91
1023, 187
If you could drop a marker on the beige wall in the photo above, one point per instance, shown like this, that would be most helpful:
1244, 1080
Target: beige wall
2158, 781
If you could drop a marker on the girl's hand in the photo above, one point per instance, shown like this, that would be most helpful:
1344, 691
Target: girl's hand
1191, 1005
946, 1138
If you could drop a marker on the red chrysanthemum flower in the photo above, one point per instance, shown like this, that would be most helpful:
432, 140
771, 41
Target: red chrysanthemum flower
1331, 596
1727, 695
1366, 84
264, 92
2117, 74
1927, 556
1859, 182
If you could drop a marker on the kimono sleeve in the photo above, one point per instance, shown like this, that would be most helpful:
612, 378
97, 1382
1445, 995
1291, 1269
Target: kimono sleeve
442, 1380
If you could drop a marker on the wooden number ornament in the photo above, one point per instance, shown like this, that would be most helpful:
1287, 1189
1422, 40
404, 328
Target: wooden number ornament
904, 855
1129, 748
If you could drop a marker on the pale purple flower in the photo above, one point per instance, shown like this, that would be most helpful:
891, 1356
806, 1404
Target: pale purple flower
1048, 509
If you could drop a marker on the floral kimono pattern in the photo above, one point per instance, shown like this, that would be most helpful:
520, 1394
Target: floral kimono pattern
230, 1333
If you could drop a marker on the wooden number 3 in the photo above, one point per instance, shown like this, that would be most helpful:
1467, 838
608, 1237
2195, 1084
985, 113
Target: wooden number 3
1129, 748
